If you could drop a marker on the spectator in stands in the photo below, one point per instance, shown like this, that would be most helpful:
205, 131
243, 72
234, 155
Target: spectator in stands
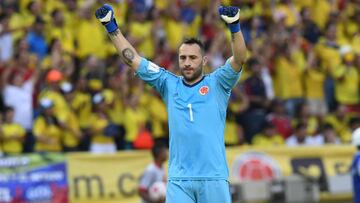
59, 59
288, 11
327, 135
268, 137
18, 82
234, 132
12, 135
311, 31
61, 30
47, 128
279, 118
327, 50
314, 81
303, 115
86, 45
115, 98
142, 31
158, 115
52, 91
300, 137
339, 120
347, 80
36, 39
68, 121
255, 91
289, 68
18, 93
153, 173
82, 106
82, 103
135, 119
6, 39
102, 140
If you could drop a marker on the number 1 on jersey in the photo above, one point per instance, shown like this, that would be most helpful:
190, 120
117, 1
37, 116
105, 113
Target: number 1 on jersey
190, 112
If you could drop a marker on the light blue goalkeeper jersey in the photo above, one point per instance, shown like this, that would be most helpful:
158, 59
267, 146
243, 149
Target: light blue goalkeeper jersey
196, 116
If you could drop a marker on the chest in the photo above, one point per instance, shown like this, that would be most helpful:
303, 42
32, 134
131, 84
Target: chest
200, 96
11, 129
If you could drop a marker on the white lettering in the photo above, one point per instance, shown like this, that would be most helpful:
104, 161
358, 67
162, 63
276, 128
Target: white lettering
47, 176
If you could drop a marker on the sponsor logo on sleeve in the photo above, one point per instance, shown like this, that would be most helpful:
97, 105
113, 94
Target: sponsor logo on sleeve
152, 67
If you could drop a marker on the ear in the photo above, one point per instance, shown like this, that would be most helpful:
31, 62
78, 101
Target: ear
205, 60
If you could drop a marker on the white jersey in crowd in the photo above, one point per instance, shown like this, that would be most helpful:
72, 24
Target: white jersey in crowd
309, 141
20, 98
153, 173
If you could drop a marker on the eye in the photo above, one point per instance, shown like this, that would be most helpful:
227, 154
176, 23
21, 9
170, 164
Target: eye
182, 57
193, 57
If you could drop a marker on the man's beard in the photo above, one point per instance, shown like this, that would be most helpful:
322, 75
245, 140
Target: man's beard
196, 74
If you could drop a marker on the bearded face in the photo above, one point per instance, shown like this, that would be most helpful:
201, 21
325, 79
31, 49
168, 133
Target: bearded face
191, 62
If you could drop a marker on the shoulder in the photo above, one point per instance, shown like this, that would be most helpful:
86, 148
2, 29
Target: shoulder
291, 138
150, 168
149, 67
9, 88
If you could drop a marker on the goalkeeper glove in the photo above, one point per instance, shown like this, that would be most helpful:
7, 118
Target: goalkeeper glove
105, 14
231, 15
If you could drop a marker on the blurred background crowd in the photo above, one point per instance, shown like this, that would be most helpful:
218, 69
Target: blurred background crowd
63, 87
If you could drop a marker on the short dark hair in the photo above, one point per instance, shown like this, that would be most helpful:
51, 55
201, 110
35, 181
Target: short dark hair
300, 126
195, 41
268, 125
157, 149
327, 126
8, 108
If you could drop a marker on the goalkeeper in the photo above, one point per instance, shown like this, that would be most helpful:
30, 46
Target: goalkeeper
196, 106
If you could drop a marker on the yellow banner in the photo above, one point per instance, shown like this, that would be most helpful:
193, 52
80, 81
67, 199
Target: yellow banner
249, 163
335, 159
106, 178
114, 178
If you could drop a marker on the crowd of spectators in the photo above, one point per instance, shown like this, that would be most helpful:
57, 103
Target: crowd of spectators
63, 88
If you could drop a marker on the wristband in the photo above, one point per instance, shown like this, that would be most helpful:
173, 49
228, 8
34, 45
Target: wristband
234, 27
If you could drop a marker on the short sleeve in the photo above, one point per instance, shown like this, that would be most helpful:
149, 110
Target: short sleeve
153, 75
146, 180
226, 76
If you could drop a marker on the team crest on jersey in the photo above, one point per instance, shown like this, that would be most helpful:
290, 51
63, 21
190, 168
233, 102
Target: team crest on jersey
204, 90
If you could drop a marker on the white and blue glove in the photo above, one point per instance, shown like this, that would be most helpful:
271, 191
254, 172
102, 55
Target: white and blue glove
105, 14
231, 16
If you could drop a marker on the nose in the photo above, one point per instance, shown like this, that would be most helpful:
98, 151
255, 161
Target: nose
187, 66
187, 63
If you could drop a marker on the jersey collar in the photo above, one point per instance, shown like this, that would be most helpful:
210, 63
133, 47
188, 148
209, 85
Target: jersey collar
187, 85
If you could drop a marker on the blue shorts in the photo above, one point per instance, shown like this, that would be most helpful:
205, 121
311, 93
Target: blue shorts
198, 191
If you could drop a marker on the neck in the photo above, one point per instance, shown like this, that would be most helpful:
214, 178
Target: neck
158, 163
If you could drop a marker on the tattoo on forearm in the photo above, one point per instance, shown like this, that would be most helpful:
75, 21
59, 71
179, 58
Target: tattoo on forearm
128, 55
116, 32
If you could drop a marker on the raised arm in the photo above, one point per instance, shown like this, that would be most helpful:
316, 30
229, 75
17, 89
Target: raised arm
128, 54
231, 15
